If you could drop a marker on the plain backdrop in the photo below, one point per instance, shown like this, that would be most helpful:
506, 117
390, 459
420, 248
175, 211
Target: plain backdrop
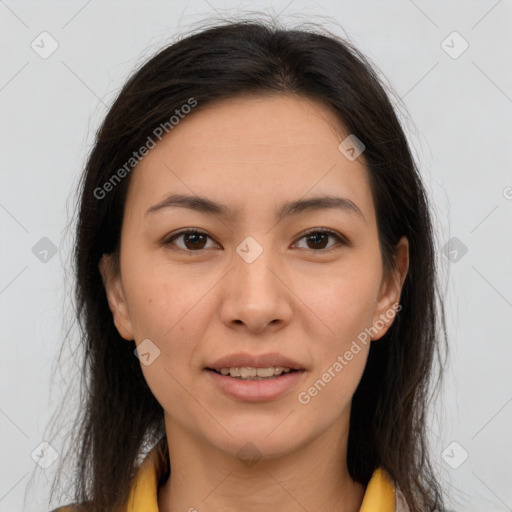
449, 63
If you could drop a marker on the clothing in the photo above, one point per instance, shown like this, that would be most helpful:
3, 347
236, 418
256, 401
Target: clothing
380, 495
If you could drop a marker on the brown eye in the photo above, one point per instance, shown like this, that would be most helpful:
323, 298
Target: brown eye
193, 240
317, 239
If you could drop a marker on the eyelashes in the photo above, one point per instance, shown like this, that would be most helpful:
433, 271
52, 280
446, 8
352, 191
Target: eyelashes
316, 236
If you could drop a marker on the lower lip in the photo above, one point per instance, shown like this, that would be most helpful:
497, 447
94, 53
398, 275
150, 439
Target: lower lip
256, 390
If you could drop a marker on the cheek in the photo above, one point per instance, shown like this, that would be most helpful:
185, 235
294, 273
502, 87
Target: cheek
167, 313
162, 300
346, 307
346, 299
171, 309
328, 394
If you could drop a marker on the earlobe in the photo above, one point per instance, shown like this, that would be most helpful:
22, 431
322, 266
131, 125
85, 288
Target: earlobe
116, 296
391, 289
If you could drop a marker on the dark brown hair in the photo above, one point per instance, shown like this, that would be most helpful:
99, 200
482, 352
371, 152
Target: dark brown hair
119, 416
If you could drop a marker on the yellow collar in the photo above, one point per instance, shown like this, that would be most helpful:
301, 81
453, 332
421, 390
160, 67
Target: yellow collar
379, 495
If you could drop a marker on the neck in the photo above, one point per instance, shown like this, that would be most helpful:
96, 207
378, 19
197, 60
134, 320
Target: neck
314, 477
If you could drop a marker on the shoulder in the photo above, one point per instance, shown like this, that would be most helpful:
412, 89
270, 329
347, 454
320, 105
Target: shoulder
72, 507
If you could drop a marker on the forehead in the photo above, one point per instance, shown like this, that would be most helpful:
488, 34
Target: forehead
270, 126
248, 150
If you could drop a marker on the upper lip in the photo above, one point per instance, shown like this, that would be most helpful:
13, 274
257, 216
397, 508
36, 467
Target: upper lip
255, 361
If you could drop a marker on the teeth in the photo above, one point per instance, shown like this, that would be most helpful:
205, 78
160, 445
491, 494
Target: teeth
248, 373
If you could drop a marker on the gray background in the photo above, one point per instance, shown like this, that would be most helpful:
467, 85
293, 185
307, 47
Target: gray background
458, 108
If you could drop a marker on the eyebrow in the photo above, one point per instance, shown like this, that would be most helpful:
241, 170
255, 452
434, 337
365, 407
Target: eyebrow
205, 205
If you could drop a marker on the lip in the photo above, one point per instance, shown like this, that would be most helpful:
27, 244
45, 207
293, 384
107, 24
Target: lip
254, 361
256, 390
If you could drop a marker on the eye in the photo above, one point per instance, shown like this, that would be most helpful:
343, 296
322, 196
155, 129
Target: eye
318, 237
193, 240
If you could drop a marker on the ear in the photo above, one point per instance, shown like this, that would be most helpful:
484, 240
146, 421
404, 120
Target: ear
390, 290
116, 296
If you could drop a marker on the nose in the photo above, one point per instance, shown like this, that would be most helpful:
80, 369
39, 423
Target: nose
255, 294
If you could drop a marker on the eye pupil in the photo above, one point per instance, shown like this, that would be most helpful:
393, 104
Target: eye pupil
316, 237
194, 237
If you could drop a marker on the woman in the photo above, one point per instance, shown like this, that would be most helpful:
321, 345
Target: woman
256, 283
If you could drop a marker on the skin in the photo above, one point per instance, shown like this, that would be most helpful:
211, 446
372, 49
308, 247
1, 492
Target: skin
297, 298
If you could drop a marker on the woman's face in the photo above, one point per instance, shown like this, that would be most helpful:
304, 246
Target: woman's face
253, 284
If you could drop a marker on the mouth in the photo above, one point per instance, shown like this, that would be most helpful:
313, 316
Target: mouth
245, 385
255, 377
248, 373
